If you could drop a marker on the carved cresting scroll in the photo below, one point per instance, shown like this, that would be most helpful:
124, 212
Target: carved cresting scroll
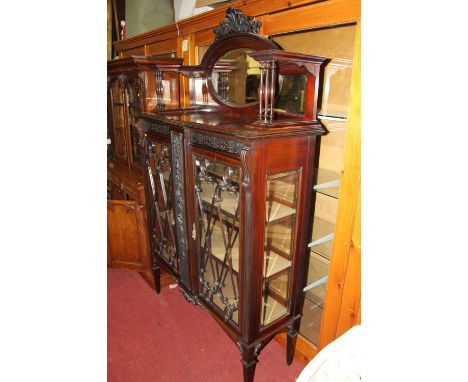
235, 22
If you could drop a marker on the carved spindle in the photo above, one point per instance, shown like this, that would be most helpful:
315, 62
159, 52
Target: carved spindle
272, 88
260, 90
267, 84
159, 90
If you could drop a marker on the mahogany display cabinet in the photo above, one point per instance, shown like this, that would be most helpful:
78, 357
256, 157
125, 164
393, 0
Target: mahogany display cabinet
229, 184
135, 84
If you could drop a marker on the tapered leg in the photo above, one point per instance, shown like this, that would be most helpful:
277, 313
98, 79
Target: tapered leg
291, 342
249, 362
156, 274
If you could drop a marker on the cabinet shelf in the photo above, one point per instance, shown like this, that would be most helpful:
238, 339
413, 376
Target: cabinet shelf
272, 310
322, 229
276, 264
284, 192
279, 213
311, 320
328, 183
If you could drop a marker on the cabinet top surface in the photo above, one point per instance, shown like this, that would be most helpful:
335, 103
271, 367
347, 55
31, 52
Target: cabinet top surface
143, 63
243, 125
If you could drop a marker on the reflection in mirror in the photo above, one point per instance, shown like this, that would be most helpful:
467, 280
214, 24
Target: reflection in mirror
200, 95
292, 93
235, 77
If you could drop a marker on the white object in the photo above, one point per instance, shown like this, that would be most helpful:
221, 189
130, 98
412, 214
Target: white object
339, 361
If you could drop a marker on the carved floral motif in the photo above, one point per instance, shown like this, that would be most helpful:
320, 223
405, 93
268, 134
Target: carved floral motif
236, 22
220, 144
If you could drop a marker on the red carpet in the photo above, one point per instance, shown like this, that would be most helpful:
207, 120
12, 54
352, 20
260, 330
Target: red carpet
164, 338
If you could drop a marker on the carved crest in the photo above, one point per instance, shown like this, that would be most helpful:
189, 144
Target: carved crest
236, 21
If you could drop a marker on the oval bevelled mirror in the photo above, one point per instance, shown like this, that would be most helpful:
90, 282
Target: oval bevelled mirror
232, 75
235, 77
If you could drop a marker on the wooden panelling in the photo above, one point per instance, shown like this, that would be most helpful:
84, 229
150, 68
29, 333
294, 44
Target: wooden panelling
204, 37
318, 42
188, 56
312, 16
161, 47
349, 314
160, 34
140, 51
348, 217
126, 235
277, 16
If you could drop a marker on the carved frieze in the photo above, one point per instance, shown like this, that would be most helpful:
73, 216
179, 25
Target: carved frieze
216, 143
156, 127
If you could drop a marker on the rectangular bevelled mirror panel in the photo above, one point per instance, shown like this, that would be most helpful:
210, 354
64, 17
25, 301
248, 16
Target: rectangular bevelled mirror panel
291, 95
217, 197
169, 98
281, 205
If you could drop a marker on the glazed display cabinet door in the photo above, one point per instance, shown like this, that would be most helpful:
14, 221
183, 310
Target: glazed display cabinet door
161, 204
217, 200
166, 206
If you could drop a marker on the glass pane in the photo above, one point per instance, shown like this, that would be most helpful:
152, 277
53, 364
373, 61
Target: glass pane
199, 92
135, 140
311, 320
118, 122
236, 76
291, 95
336, 43
281, 203
217, 193
200, 52
119, 132
161, 204
135, 94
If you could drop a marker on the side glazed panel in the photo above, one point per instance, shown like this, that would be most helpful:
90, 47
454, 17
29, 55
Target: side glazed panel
281, 205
